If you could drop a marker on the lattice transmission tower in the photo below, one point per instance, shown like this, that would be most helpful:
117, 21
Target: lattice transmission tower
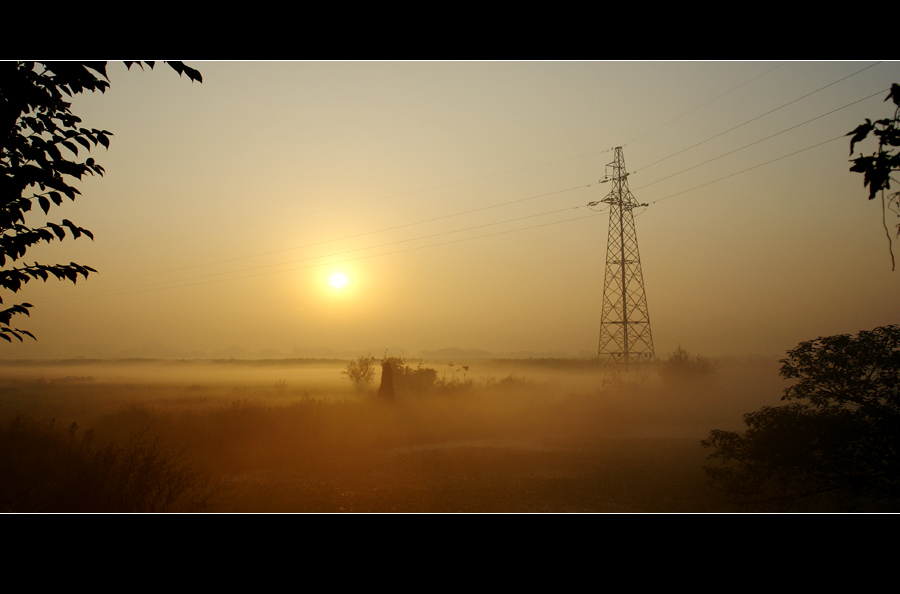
625, 321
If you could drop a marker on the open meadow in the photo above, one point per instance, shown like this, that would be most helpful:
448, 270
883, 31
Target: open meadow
537, 435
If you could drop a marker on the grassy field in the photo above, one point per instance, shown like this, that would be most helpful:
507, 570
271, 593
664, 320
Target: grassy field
293, 435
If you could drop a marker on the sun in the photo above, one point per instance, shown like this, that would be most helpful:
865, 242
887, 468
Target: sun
338, 280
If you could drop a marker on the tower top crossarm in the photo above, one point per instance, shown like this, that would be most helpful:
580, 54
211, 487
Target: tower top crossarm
616, 174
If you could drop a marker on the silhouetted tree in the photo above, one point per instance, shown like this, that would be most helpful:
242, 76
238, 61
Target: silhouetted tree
39, 151
878, 167
837, 445
361, 372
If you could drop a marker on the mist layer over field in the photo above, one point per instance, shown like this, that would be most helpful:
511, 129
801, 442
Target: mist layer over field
533, 435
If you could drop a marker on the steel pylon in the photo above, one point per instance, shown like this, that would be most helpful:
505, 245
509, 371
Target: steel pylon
625, 335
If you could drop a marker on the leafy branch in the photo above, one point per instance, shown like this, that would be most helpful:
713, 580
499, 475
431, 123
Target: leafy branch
40, 148
879, 167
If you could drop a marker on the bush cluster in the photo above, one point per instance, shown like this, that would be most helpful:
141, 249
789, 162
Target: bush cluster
682, 365
406, 378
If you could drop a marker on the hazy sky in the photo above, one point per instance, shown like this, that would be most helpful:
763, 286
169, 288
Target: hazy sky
453, 196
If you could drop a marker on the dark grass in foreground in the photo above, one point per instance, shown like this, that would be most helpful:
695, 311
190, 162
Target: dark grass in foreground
620, 476
44, 468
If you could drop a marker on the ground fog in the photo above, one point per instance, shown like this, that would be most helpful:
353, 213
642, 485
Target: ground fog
531, 435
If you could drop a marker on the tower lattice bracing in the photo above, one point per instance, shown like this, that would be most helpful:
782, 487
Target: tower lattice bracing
625, 321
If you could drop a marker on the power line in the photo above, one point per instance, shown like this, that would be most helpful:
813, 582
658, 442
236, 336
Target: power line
687, 113
519, 200
490, 206
771, 111
440, 186
380, 199
155, 286
843, 136
357, 235
763, 139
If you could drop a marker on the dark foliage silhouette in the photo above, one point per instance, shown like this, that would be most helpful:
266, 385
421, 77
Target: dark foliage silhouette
39, 158
405, 380
878, 167
45, 468
836, 446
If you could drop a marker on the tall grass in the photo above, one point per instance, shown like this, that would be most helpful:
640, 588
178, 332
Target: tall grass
46, 468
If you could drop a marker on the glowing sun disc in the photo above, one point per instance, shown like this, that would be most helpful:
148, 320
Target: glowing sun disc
338, 280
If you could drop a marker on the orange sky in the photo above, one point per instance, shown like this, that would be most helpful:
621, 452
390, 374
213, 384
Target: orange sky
453, 197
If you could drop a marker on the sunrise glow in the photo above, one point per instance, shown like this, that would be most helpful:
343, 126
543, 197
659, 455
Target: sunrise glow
338, 280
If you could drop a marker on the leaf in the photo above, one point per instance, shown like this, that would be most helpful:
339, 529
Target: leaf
70, 146
862, 164
894, 94
860, 133
44, 204
57, 230
99, 67
54, 152
76, 231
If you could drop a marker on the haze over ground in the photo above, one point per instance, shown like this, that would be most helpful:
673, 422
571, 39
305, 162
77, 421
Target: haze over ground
453, 196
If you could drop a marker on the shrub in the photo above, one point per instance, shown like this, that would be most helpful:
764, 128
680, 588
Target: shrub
410, 380
407, 379
361, 373
682, 365
418, 380
457, 380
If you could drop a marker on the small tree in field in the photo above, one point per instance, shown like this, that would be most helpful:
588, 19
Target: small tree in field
837, 444
361, 373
